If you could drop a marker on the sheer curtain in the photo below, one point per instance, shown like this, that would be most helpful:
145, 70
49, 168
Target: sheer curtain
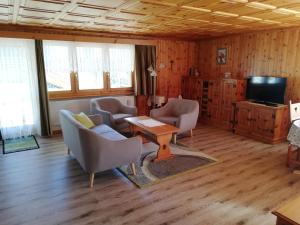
90, 65
19, 105
121, 65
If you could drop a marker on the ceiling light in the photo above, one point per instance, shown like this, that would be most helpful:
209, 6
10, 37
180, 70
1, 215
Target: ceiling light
270, 22
258, 5
195, 8
198, 20
286, 11
219, 13
240, 26
250, 18
222, 24
235, 1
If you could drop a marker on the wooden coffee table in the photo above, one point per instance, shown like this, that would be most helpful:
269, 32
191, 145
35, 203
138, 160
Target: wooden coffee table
288, 214
161, 134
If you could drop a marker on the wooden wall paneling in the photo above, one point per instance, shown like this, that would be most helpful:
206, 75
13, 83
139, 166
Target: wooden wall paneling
236, 55
174, 60
272, 52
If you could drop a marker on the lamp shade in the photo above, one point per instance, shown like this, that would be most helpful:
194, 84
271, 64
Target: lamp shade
152, 71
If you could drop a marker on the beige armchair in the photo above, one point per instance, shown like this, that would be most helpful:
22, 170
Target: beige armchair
182, 113
112, 111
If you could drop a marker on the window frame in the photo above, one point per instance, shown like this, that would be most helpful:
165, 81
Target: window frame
75, 92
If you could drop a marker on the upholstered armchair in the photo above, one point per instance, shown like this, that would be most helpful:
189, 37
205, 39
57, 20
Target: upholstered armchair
112, 111
99, 148
182, 113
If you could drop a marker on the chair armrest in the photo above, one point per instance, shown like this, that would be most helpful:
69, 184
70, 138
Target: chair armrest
188, 121
128, 109
159, 112
97, 119
106, 116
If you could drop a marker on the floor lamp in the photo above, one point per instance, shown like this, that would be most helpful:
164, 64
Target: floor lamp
153, 76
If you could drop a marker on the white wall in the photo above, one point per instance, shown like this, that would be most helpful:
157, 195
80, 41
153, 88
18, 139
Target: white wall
77, 106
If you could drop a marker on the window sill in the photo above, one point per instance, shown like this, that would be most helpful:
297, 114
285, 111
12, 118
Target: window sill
88, 94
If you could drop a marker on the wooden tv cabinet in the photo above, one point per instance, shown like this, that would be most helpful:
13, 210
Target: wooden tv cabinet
265, 123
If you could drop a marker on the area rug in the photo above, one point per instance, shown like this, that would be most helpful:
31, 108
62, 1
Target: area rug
184, 160
19, 144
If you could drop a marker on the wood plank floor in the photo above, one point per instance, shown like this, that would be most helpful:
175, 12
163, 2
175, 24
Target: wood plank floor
47, 186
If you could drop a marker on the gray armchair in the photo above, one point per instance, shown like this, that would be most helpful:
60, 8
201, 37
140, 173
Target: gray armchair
99, 148
112, 111
182, 113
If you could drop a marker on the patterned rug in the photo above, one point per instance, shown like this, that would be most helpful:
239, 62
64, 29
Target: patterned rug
184, 160
19, 144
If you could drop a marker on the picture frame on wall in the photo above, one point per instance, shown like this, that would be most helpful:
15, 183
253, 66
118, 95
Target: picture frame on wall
221, 56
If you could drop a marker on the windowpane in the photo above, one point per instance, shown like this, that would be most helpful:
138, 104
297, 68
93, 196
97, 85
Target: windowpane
58, 66
90, 67
121, 58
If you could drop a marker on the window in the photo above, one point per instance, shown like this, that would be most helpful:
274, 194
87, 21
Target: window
58, 66
88, 69
121, 61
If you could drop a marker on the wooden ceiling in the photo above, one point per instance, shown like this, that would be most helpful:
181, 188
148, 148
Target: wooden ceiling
180, 18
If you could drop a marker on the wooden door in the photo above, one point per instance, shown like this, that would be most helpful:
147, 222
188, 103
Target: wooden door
264, 121
243, 117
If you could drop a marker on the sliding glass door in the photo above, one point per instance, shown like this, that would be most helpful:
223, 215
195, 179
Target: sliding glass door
19, 105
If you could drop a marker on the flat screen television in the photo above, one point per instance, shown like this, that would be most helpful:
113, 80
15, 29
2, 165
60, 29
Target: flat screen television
265, 89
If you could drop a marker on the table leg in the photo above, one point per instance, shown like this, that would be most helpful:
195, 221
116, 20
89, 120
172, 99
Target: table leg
164, 151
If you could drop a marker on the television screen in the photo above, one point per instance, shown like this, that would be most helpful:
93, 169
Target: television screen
266, 89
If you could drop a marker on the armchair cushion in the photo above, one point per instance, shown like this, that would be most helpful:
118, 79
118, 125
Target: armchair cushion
101, 129
113, 136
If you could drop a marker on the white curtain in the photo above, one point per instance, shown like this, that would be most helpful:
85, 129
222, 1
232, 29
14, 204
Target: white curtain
89, 66
19, 103
121, 63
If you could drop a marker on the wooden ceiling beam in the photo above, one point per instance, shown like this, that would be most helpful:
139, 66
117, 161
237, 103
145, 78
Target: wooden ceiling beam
16, 8
111, 12
68, 7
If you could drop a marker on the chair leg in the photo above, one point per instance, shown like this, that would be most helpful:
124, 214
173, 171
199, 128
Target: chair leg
132, 166
289, 156
92, 175
174, 138
298, 154
191, 133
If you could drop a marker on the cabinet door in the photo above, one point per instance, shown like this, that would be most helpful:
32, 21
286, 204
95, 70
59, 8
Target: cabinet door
243, 118
185, 87
214, 93
264, 121
195, 88
228, 97
228, 93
